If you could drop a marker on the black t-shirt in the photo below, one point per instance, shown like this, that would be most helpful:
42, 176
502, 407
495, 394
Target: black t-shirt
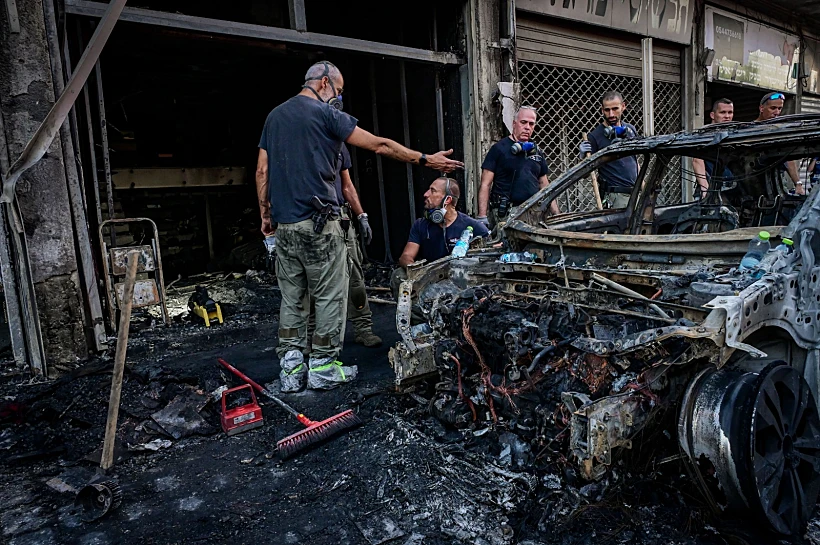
431, 238
303, 138
344, 163
514, 176
617, 176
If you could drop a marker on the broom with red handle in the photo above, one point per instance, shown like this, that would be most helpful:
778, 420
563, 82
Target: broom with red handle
314, 432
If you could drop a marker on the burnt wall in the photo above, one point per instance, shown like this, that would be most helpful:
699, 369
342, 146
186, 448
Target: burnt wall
26, 96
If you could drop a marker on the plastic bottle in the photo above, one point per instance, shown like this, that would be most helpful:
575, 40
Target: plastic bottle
786, 246
758, 247
775, 260
270, 243
463, 243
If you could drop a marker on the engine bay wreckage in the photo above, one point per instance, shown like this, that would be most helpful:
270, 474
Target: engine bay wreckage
626, 315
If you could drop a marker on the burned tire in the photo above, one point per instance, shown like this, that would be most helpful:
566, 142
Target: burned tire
760, 433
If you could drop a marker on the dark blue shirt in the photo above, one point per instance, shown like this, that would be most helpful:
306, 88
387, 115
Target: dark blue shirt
617, 176
343, 160
514, 176
727, 175
432, 241
303, 138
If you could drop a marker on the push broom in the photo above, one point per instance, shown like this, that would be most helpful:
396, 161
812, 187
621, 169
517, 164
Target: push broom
314, 432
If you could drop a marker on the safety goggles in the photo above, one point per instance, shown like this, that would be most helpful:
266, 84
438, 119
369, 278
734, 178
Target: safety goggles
772, 96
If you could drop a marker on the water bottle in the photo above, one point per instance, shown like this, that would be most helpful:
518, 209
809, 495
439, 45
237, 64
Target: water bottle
775, 260
519, 257
786, 246
758, 247
463, 243
270, 243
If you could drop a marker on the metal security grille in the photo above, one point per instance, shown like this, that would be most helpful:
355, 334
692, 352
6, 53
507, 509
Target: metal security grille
568, 103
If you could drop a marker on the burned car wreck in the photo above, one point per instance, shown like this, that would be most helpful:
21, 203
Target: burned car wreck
622, 316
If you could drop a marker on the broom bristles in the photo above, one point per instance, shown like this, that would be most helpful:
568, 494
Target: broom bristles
317, 433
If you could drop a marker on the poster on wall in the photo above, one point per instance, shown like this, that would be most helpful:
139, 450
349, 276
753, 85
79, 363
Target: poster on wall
750, 53
666, 19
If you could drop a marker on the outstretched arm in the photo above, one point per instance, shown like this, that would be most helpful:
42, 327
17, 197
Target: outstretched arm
392, 149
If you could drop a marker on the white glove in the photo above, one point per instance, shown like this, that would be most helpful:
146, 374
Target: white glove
584, 148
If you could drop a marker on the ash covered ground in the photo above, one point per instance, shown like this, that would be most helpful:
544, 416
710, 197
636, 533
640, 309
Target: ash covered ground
401, 478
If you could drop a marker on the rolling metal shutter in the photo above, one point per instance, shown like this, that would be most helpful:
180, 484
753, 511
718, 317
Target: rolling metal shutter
557, 45
565, 71
810, 104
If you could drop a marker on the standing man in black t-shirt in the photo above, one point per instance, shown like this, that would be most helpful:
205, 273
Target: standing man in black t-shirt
617, 177
513, 171
298, 154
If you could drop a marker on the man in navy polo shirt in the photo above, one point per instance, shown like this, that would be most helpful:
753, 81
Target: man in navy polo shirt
514, 170
429, 240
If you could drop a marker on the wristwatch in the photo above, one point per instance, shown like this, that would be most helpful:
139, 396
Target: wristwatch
423, 159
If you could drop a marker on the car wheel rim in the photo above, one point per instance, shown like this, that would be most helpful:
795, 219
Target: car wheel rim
785, 448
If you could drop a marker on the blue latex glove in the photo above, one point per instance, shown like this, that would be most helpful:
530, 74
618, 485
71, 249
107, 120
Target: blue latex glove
584, 148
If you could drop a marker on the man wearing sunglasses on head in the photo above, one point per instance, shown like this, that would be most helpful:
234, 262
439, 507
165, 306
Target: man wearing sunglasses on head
295, 179
771, 106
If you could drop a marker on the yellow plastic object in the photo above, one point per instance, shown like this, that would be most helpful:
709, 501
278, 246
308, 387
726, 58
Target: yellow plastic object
208, 316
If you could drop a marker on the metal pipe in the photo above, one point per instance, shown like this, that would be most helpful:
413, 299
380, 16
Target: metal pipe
91, 146
262, 32
8, 274
626, 291
405, 120
648, 72
109, 185
48, 129
388, 256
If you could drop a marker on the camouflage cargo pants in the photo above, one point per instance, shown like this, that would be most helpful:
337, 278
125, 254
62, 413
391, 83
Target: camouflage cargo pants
312, 264
358, 309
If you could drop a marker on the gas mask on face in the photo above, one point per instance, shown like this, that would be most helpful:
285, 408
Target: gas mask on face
527, 148
436, 215
335, 101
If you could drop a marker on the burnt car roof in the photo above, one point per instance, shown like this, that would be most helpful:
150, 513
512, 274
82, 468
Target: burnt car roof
787, 137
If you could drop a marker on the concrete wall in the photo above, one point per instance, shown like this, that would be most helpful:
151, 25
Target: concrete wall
26, 95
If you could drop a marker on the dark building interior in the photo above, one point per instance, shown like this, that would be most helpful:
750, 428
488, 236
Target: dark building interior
184, 111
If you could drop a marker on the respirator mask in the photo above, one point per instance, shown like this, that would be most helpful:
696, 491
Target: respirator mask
436, 215
336, 101
618, 132
527, 148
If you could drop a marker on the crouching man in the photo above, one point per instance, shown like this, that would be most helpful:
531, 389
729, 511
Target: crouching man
435, 235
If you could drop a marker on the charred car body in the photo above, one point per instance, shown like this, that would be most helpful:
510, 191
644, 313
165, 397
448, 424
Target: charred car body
628, 314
